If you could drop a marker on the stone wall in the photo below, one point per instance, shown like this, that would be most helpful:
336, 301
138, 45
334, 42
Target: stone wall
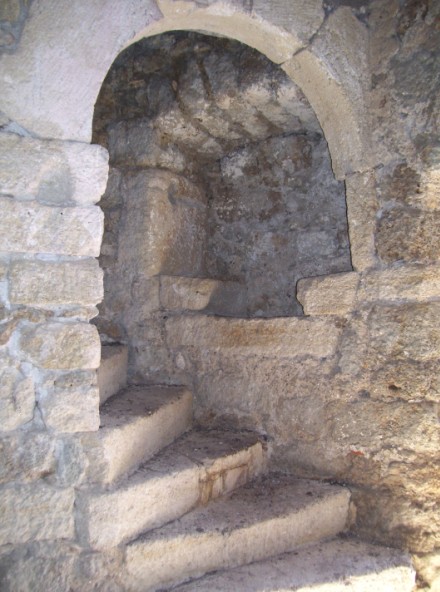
358, 403
247, 194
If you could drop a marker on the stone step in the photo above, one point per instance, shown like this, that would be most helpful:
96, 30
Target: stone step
333, 566
200, 466
263, 519
112, 372
135, 425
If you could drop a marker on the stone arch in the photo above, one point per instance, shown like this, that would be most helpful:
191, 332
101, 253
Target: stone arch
325, 59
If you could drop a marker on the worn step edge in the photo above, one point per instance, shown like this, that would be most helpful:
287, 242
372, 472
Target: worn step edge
251, 525
337, 565
135, 425
112, 372
168, 486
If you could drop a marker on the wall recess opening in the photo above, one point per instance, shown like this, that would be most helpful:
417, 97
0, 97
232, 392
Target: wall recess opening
221, 194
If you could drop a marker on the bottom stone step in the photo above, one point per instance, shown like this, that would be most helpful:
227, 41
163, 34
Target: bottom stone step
333, 566
266, 518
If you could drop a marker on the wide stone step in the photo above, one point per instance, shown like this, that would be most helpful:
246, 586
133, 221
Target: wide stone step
112, 372
200, 466
264, 519
332, 566
135, 425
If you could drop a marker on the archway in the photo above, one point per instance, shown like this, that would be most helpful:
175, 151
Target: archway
221, 193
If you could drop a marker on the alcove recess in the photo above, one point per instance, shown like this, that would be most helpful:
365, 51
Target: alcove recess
221, 194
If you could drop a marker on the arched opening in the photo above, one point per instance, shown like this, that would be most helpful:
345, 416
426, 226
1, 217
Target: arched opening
221, 194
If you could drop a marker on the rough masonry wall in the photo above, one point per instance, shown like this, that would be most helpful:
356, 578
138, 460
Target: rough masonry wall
239, 136
359, 405
349, 393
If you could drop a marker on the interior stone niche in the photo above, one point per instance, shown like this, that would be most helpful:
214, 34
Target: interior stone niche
221, 194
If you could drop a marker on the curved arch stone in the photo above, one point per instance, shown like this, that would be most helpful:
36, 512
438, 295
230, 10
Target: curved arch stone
49, 86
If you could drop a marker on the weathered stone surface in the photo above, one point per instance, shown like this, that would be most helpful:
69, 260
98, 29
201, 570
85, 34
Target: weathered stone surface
230, 20
29, 227
49, 284
428, 569
201, 466
362, 207
164, 226
401, 283
286, 337
338, 565
408, 234
181, 293
26, 456
409, 331
300, 20
17, 396
37, 567
36, 512
70, 402
57, 108
52, 172
135, 425
333, 294
112, 372
64, 346
137, 143
331, 76
285, 513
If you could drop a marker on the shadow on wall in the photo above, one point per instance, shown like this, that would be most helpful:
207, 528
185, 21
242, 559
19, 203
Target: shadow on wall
220, 178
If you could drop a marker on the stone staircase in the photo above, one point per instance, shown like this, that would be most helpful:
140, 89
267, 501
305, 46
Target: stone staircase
182, 502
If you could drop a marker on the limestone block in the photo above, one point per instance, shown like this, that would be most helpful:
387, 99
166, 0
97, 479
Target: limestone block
339, 565
55, 43
26, 456
112, 372
279, 337
138, 143
35, 512
404, 282
29, 227
332, 73
231, 19
17, 396
187, 136
362, 207
52, 172
182, 293
408, 331
300, 19
332, 294
408, 234
64, 346
70, 403
164, 227
42, 566
48, 284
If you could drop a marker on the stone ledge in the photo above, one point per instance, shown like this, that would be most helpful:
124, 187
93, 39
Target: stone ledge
280, 337
340, 294
51, 171
185, 293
